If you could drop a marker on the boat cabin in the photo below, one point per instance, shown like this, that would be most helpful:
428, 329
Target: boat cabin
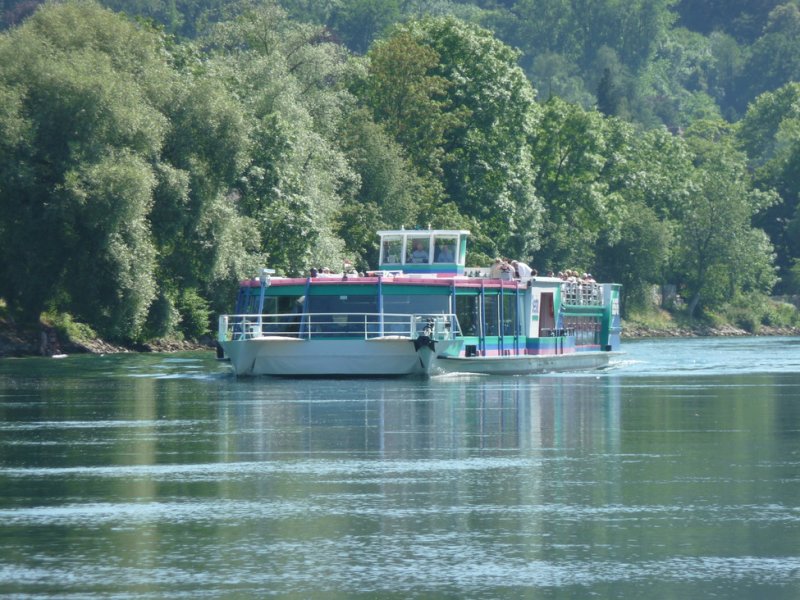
421, 279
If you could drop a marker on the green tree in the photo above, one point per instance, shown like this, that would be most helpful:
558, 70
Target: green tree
203, 241
410, 99
487, 170
774, 59
75, 176
569, 157
556, 75
637, 258
743, 18
389, 193
358, 22
718, 252
291, 81
770, 134
647, 173
608, 95
121, 168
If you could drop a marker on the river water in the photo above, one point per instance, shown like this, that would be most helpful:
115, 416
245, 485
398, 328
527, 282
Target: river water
673, 474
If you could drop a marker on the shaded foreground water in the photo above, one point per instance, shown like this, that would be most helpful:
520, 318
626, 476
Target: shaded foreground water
675, 474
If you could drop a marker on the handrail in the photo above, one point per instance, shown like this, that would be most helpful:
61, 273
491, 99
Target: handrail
578, 293
306, 326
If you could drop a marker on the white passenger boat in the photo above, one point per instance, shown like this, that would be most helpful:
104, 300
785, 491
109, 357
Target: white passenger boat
420, 313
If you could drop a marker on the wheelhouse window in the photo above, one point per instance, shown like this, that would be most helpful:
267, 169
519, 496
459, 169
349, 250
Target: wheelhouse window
418, 249
445, 249
392, 250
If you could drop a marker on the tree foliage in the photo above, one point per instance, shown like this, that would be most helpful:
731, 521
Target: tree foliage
718, 251
114, 170
770, 134
484, 141
141, 173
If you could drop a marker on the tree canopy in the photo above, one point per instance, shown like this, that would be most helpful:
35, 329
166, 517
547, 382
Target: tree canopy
145, 168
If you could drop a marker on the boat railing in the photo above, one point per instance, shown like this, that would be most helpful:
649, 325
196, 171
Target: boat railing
579, 293
305, 326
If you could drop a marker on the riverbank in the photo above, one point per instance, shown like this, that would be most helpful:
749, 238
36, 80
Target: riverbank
638, 331
16, 341
45, 340
777, 318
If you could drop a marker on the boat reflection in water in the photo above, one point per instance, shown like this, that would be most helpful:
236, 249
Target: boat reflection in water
449, 416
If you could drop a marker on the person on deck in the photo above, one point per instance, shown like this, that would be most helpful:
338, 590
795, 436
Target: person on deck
496, 269
521, 270
506, 270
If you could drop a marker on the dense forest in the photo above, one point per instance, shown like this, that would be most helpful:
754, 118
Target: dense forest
150, 158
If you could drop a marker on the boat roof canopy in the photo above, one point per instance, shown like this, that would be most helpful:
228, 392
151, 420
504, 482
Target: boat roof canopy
423, 250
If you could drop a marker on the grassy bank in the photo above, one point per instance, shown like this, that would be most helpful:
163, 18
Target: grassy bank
59, 333
754, 315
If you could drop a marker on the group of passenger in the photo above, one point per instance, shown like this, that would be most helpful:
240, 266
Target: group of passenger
574, 277
347, 270
580, 288
503, 268
506, 269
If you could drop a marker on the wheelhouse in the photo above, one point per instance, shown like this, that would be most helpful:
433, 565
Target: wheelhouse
428, 251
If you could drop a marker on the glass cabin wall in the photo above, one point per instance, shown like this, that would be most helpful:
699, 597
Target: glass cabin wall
491, 332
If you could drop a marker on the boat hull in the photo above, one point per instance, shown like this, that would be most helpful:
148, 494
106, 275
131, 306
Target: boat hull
388, 357
525, 365
292, 357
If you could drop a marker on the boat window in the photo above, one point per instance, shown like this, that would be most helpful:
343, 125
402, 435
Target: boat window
491, 314
279, 305
414, 304
343, 304
250, 305
418, 249
467, 313
445, 249
345, 315
392, 250
509, 314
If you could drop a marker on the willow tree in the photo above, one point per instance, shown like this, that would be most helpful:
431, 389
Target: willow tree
288, 77
116, 173
75, 174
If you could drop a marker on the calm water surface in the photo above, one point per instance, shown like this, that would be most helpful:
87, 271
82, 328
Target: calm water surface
675, 474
